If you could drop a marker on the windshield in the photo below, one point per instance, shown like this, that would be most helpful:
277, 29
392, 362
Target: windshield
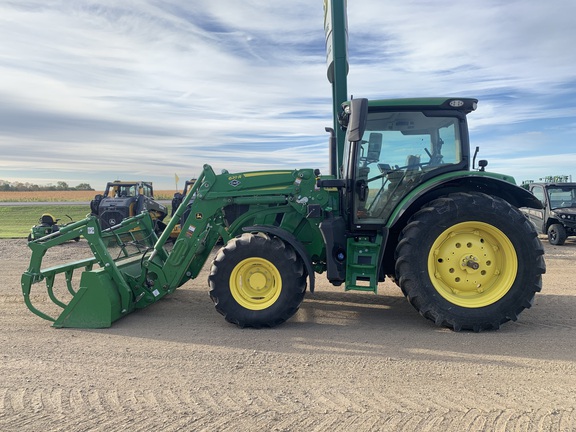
396, 150
562, 197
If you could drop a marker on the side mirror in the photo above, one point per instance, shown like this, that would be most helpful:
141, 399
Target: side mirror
358, 118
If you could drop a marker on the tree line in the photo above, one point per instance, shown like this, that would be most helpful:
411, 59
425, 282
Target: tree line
31, 187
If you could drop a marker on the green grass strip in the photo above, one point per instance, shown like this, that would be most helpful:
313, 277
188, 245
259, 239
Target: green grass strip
16, 221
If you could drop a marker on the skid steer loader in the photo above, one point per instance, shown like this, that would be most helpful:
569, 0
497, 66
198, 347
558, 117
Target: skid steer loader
400, 201
124, 199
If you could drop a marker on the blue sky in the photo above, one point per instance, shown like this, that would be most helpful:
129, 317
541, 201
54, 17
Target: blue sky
92, 91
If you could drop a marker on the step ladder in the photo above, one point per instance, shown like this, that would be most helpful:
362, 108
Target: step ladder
362, 264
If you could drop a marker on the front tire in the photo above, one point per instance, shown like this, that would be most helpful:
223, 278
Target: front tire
469, 261
557, 234
257, 281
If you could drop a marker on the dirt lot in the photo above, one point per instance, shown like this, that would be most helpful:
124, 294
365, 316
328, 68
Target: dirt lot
345, 361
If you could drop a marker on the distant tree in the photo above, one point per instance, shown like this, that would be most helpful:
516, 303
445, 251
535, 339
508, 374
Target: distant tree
28, 187
84, 186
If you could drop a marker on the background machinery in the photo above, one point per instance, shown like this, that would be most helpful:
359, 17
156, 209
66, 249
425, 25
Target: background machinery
47, 224
557, 217
400, 202
124, 199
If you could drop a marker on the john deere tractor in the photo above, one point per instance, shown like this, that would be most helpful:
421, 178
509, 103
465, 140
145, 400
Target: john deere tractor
400, 202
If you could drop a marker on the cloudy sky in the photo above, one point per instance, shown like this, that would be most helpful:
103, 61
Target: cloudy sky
92, 91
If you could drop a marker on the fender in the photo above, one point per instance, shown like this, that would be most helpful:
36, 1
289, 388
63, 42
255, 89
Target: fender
291, 239
464, 181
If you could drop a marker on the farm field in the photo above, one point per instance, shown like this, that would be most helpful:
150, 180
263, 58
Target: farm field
58, 196
345, 361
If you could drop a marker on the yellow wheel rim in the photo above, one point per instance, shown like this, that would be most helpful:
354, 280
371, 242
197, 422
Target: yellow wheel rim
255, 283
472, 264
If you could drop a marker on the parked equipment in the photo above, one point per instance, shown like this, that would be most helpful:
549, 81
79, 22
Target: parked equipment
47, 225
124, 199
176, 201
179, 196
557, 218
400, 202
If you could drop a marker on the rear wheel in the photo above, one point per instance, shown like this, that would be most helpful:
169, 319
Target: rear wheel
469, 261
257, 281
557, 234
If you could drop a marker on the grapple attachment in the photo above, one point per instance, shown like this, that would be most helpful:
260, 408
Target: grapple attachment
111, 283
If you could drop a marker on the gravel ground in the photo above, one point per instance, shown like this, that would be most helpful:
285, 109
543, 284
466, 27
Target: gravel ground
345, 361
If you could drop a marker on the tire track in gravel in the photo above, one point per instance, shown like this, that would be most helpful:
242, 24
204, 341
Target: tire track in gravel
81, 409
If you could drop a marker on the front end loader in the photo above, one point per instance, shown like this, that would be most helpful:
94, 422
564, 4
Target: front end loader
405, 206
133, 268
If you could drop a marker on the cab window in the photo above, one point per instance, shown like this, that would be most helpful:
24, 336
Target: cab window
396, 150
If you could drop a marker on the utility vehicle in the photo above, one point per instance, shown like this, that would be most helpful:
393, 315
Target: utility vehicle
557, 217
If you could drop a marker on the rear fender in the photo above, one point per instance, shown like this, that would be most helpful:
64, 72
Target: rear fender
289, 238
488, 183
463, 181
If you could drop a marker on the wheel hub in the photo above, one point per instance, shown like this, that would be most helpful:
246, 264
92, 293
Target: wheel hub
255, 283
472, 264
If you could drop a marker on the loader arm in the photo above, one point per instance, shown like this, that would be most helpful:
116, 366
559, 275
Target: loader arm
275, 198
133, 268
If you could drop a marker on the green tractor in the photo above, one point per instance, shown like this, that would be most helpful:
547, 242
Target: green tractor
400, 202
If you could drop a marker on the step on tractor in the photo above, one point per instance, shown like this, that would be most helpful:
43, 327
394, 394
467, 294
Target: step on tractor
124, 199
400, 201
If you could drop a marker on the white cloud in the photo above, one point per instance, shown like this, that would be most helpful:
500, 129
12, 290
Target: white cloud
173, 84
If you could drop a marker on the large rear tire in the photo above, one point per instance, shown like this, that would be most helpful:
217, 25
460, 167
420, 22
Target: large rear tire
257, 281
469, 261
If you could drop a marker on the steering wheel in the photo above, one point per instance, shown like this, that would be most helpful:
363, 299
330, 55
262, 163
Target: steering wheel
390, 170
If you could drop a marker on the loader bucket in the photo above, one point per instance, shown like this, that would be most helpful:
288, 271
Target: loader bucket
111, 283
95, 305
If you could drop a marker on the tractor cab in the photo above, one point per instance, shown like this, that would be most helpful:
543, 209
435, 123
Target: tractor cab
402, 144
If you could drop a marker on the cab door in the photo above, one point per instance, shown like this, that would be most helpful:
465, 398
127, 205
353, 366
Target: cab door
537, 216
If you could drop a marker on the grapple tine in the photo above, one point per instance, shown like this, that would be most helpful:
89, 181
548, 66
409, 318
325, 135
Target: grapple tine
104, 294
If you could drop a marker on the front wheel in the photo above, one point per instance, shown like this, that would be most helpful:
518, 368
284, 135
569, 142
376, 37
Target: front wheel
257, 281
557, 234
469, 261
